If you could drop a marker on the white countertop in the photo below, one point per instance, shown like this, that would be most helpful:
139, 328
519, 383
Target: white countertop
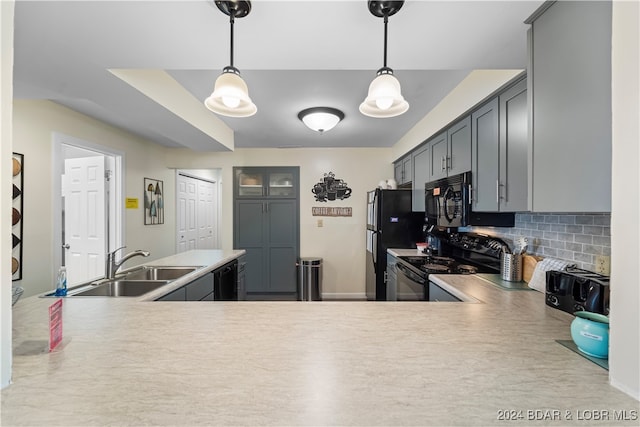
131, 362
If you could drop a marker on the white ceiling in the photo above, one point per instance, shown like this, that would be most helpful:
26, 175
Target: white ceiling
293, 55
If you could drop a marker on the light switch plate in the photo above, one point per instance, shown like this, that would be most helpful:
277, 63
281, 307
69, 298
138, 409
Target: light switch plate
320, 223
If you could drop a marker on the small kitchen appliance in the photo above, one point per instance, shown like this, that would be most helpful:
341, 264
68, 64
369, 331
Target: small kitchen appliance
459, 253
448, 205
575, 290
590, 333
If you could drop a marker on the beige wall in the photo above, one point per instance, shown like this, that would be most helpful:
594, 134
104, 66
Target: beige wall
33, 125
624, 358
6, 95
341, 241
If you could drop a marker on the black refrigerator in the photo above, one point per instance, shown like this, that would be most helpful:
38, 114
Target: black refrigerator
390, 224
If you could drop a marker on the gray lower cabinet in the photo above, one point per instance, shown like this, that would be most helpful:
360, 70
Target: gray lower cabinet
570, 82
268, 231
242, 278
391, 278
436, 293
179, 294
451, 150
499, 152
201, 289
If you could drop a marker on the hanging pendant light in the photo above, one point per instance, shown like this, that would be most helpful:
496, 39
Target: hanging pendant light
384, 98
230, 95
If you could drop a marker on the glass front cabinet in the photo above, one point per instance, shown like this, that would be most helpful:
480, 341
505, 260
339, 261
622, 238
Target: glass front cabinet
269, 182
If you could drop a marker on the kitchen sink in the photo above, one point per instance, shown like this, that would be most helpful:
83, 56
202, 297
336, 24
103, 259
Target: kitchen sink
131, 283
121, 288
150, 272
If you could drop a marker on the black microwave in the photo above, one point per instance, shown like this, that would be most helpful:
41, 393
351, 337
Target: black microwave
448, 201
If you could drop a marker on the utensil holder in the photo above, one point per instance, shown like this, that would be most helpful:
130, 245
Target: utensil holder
511, 267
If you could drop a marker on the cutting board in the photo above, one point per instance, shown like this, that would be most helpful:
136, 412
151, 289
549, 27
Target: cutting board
529, 263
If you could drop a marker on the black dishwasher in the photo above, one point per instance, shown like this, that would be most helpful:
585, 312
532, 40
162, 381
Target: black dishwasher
225, 281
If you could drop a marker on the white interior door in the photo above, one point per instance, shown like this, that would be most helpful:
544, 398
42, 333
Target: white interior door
187, 202
206, 205
83, 189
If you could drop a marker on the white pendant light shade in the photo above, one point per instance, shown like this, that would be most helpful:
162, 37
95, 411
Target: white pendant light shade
384, 98
321, 119
230, 96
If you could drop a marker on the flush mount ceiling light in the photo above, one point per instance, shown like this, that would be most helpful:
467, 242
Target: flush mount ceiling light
230, 95
321, 119
384, 98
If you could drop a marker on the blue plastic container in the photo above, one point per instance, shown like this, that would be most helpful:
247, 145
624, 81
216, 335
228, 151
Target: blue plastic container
590, 332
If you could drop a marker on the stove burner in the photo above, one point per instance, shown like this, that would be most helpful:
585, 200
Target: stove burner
436, 267
467, 269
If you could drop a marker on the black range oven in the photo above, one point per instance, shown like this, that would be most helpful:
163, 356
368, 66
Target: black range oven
460, 253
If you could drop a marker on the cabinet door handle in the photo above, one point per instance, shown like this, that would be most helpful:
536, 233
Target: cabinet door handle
449, 162
498, 185
442, 163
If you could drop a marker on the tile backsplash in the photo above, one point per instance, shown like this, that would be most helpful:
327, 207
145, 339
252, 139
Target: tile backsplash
575, 237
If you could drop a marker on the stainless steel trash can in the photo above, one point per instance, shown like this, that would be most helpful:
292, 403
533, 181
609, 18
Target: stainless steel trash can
310, 279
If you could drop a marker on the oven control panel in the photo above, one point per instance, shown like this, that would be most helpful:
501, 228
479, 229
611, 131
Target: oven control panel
478, 243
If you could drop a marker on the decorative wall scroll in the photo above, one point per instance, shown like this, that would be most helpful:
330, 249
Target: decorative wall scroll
331, 188
153, 201
315, 211
18, 216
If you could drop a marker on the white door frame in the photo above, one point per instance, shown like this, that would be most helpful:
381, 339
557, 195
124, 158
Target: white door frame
116, 225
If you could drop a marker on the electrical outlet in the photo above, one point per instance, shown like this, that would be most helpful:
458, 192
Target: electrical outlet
320, 223
603, 264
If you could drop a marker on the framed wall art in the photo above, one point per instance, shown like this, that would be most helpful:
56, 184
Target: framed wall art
153, 202
18, 216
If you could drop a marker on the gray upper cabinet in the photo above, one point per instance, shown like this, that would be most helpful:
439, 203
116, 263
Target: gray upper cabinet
485, 155
402, 170
459, 145
570, 78
437, 156
499, 143
451, 150
420, 167
271, 182
514, 149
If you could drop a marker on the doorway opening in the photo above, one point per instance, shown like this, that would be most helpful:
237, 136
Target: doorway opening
88, 212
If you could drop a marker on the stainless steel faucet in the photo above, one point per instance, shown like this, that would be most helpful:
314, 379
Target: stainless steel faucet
113, 266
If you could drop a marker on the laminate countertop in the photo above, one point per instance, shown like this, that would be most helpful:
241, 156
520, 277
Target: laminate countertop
134, 362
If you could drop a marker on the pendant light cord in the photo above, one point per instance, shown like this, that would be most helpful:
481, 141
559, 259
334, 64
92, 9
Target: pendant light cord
232, 21
386, 21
